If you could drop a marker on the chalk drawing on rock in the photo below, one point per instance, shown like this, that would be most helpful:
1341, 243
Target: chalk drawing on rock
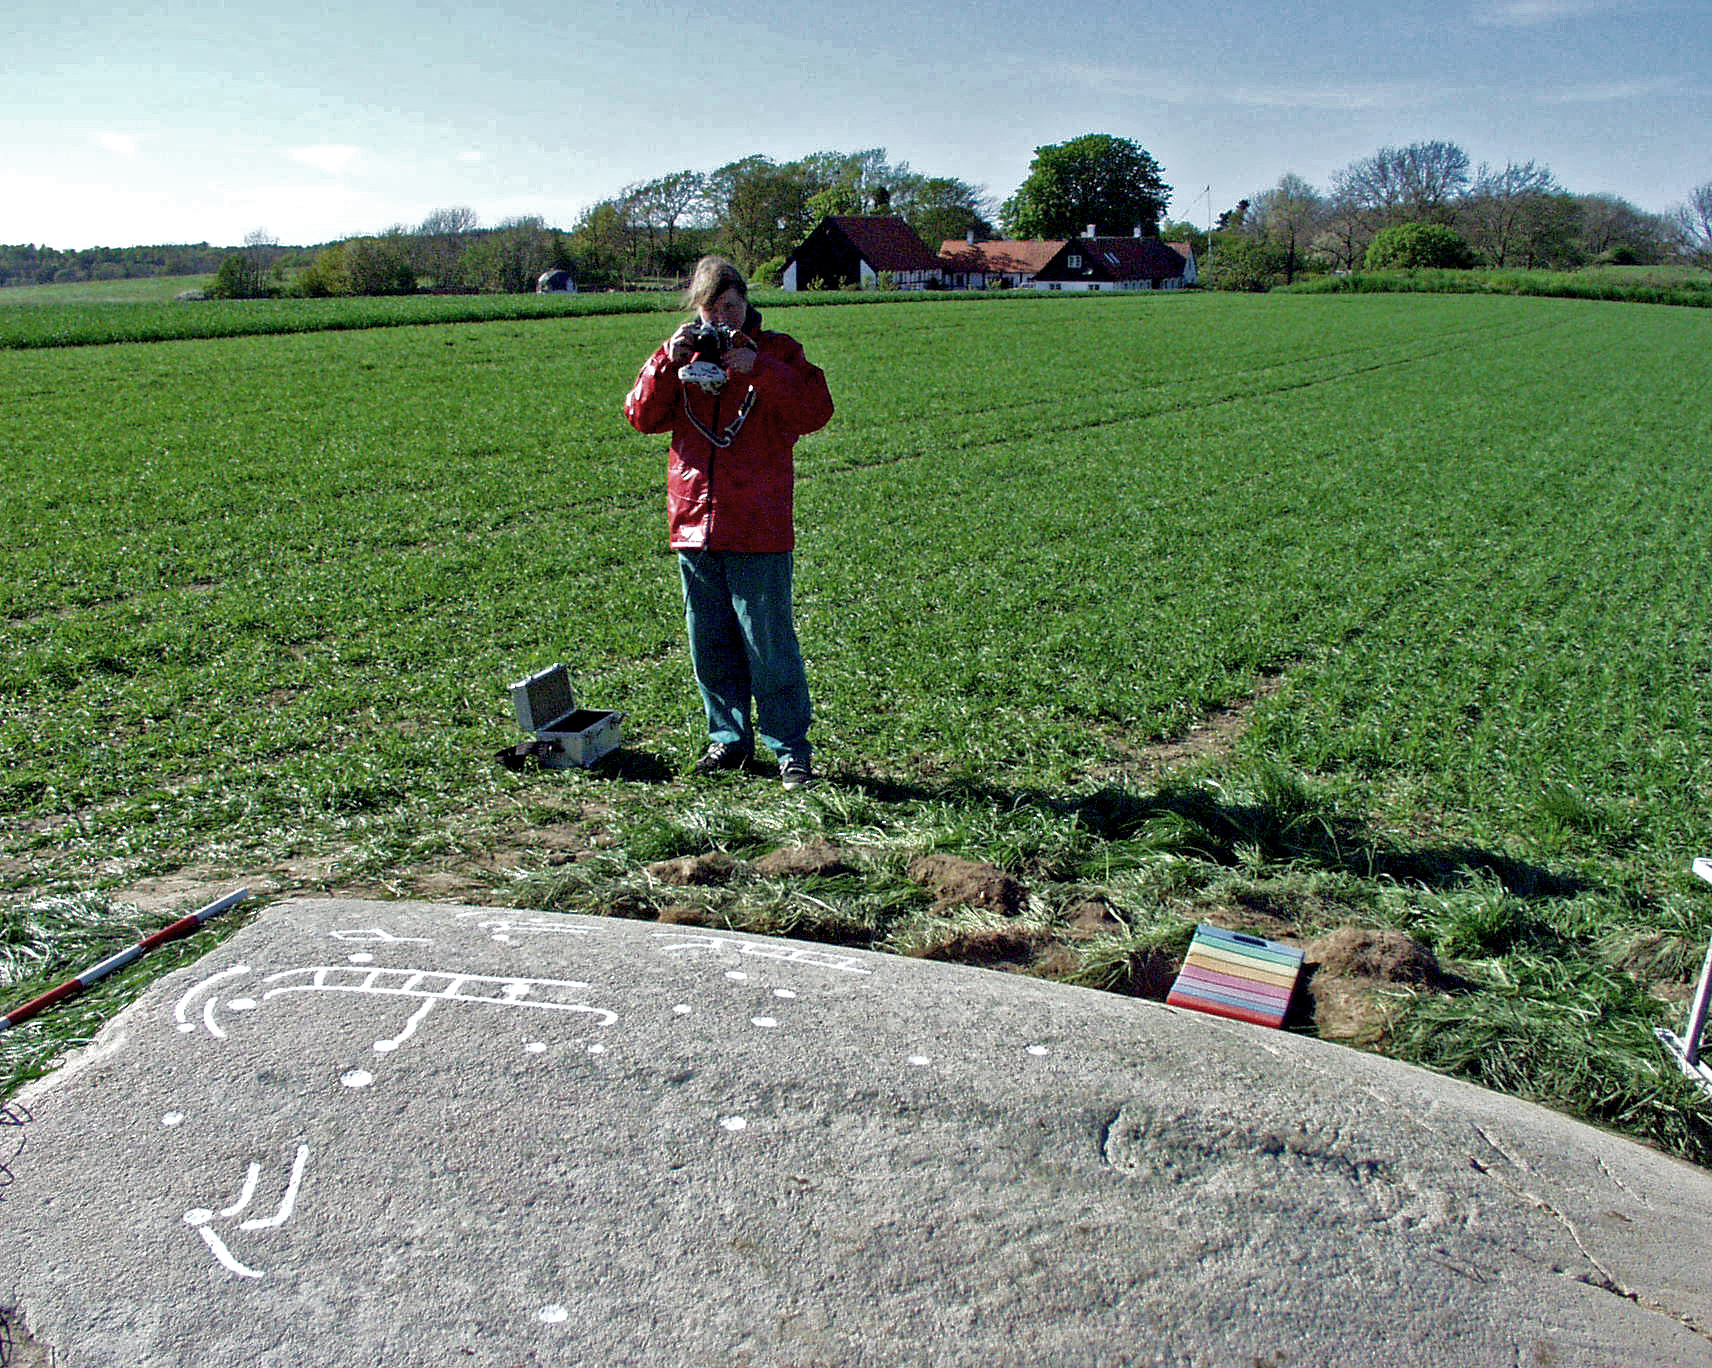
201, 1218
430, 988
680, 944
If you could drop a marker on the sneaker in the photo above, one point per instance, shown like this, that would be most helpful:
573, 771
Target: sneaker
723, 755
795, 774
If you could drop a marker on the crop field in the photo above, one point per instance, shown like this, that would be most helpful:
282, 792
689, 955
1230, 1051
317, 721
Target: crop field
1297, 613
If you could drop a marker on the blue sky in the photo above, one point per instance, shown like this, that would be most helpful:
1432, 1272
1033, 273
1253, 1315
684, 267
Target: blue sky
202, 121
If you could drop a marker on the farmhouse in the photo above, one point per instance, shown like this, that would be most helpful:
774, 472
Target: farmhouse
1117, 263
845, 249
973, 265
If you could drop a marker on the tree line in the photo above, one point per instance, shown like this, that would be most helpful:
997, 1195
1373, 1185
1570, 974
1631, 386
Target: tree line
1423, 204
1426, 205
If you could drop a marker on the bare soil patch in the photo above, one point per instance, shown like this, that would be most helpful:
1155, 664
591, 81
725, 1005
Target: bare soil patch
956, 882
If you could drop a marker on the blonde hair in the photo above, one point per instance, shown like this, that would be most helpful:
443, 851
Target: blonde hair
714, 275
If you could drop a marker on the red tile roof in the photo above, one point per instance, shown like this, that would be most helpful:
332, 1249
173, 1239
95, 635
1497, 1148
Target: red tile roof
1016, 257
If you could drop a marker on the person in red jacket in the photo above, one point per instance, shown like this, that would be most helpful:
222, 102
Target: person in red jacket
729, 482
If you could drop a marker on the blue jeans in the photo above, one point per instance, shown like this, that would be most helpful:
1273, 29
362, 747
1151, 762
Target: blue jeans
743, 645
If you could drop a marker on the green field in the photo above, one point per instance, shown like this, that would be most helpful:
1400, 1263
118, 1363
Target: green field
1443, 557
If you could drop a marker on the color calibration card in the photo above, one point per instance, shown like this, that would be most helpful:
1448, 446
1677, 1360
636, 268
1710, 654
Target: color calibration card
1228, 974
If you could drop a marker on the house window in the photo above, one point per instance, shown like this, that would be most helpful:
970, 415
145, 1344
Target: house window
1073, 261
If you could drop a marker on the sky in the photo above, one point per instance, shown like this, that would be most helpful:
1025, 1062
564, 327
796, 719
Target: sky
123, 124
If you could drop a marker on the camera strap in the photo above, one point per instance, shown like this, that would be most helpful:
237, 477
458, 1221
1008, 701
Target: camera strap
723, 439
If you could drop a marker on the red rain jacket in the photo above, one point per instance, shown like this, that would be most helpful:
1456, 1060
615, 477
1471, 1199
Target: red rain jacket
735, 497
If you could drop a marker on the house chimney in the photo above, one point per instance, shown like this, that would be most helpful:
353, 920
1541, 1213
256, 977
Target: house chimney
969, 237
1091, 232
1138, 232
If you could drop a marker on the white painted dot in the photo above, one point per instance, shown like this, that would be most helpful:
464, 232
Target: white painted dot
733, 1123
783, 993
736, 976
198, 1216
357, 1078
920, 1061
173, 1119
536, 1047
555, 1315
385, 1046
763, 1021
243, 1004
186, 1026
361, 959
597, 1049
1037, 1049
682, 1009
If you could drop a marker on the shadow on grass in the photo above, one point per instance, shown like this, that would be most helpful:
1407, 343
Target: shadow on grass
1282, 821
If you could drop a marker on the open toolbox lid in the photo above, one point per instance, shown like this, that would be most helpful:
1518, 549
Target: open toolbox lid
543, 699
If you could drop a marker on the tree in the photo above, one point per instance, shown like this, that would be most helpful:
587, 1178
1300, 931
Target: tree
940, 208
1287, 216
439, 243
1097, 179
1502, 208
657, 208
1420, 182
1183, 231
1407, 245
512, 257
761, 207
1693, 221
1611, 227
1241, 261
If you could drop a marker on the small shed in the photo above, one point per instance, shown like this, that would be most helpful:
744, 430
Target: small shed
1117, 263
555, 282
847, 249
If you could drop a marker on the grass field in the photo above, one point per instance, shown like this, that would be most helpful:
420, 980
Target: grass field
1384, 611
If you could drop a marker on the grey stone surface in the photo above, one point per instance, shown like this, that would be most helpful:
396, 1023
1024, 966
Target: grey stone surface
404, 1134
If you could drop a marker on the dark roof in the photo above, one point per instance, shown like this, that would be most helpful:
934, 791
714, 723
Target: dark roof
1121, 258
1014, 257
886, 244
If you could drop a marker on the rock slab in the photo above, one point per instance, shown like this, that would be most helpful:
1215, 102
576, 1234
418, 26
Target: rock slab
410, 1134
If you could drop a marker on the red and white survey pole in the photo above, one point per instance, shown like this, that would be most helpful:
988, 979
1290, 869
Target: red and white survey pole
182, 927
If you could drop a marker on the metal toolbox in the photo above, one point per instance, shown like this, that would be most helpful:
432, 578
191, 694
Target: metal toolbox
565, 734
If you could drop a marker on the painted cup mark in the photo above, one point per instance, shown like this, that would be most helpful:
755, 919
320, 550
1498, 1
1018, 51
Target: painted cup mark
357, 1078
243, 1004
536, 1047
173, 1119
764, 1021
920, 1061
360, 959
555, 1315
783, 993
682, 1009
733, 1123
736, 976
597, 1049
1038, 1050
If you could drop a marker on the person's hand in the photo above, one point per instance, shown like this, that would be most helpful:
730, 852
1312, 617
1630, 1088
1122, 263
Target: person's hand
740, 359
678, 348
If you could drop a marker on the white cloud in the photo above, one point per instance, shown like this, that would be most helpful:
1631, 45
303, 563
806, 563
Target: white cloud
1528, 13
1613, 92
1123, 82
120, 144
333, 158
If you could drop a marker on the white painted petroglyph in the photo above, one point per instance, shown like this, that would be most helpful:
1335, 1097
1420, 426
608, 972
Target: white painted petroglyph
181, 1009
682, 1009
1038, 1050
783, 993
555, 1315
505, 930
173, 1119
536, 1047
597, 1049
790, 954
431, 987
736, 976
356, 1078
733, 1123
920, 1061
202, 1217
360, 959
764, 1021
375, 933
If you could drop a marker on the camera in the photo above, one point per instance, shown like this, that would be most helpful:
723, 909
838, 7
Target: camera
710, 342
